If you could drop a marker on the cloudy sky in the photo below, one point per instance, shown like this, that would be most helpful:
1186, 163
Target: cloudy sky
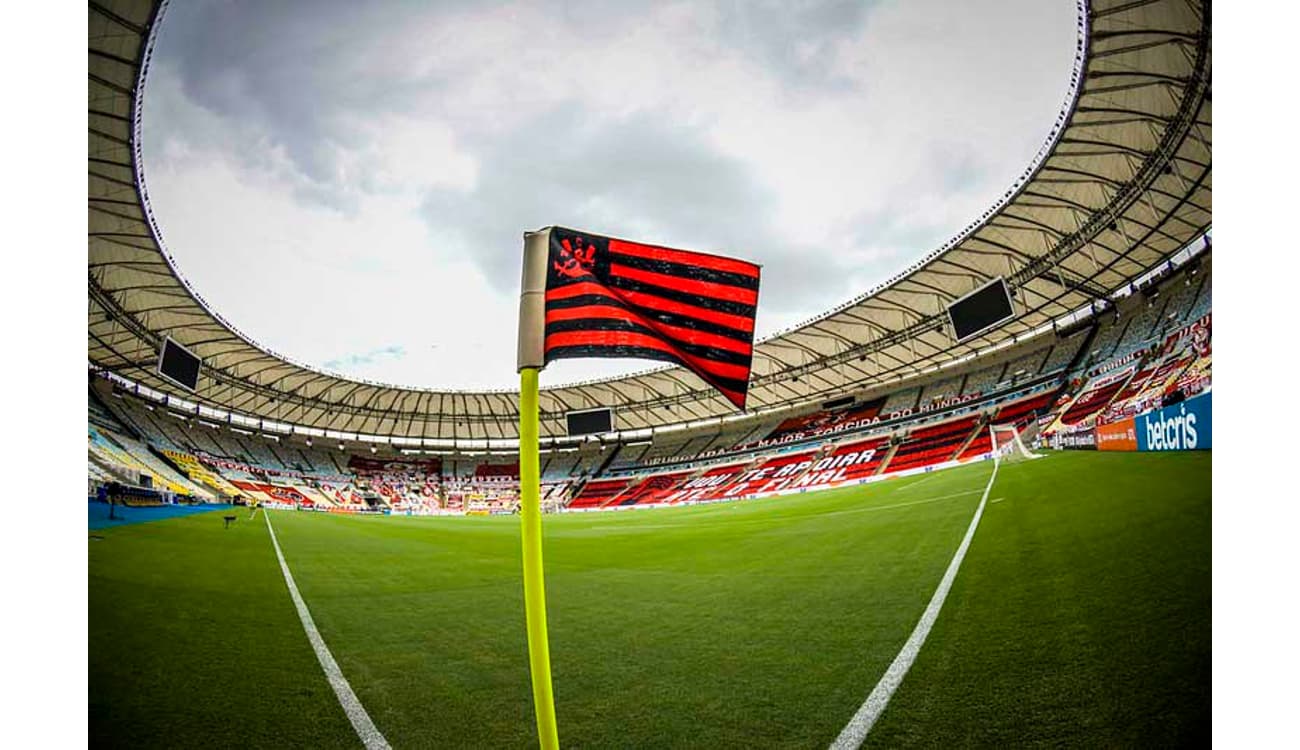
348, 183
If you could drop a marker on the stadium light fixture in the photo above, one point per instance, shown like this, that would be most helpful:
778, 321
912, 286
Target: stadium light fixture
308, 442
373, 449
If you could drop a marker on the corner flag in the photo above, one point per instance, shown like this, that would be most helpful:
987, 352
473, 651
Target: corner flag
584, 295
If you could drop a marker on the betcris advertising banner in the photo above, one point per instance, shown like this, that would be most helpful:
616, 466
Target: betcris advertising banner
1117, 436
1181, 427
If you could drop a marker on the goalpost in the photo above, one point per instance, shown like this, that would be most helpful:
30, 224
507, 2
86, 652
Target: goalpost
1008, 445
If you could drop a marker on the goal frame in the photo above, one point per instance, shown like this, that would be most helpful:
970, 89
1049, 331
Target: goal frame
1008, 449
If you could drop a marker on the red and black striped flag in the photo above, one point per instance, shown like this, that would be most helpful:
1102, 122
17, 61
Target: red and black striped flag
607, 297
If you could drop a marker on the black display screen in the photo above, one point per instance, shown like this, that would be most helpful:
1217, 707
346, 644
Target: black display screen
981, 309
590, 422
179, 366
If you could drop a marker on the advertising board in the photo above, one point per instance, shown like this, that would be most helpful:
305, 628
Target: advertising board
1117, 436
1181, 427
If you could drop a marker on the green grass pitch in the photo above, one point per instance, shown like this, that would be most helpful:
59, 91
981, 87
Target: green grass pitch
1081, 616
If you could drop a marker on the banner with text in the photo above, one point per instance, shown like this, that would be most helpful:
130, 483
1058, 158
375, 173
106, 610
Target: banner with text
1182, 427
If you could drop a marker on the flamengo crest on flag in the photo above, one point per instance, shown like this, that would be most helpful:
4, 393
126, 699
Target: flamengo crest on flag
606, 297
583, 295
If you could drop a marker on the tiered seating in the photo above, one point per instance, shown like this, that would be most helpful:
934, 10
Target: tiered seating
1018, 413
1158, 377
1196, 378
1026, 362
1135, 384
484, 496
982, 381
899, 400
559, 465
199, 473
555, 495
134, 459
1106, 338
318, 498
709, 485
941, 390
414, 485
823, 422
262, 454
1201, 305
497, 471
598, 492
267, 492
1181, 297
96, 474
770, 475
1061, 354
750, 435
654, 489
1095, 396
850, 462
931, 445
343, 494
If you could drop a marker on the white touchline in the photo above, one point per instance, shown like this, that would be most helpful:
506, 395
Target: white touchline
365, 728
856, 730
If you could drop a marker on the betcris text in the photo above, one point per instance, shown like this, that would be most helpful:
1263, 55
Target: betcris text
1182, 427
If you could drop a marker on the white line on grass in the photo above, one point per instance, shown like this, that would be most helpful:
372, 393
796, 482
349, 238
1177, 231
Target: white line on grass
856, 730
365, 728
923, 480
614, 529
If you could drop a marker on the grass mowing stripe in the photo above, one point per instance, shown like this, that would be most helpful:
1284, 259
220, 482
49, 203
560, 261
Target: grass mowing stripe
853, 735
761, 521
365, 728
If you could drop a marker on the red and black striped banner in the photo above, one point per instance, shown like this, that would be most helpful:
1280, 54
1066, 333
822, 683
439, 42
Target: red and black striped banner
607, 297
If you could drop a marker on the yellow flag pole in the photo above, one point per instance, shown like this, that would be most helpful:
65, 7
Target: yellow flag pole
539, 651
531, 360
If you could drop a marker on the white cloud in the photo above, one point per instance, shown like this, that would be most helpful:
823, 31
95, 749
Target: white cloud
356, 179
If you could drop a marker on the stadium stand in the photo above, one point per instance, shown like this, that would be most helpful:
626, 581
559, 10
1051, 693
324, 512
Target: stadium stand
942, 390
983, 381
652, 489
597, 494
708, 484
905, 399
941, 419
1063, 352
932, 444
1019, 413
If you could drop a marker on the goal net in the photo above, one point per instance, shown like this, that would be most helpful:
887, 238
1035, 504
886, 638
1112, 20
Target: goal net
1008, 445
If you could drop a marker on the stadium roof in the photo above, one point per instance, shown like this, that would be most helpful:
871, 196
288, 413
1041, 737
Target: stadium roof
1122, 183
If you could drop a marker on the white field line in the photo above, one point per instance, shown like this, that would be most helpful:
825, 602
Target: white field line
855, 732
616, 529
932, 475
365, 728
